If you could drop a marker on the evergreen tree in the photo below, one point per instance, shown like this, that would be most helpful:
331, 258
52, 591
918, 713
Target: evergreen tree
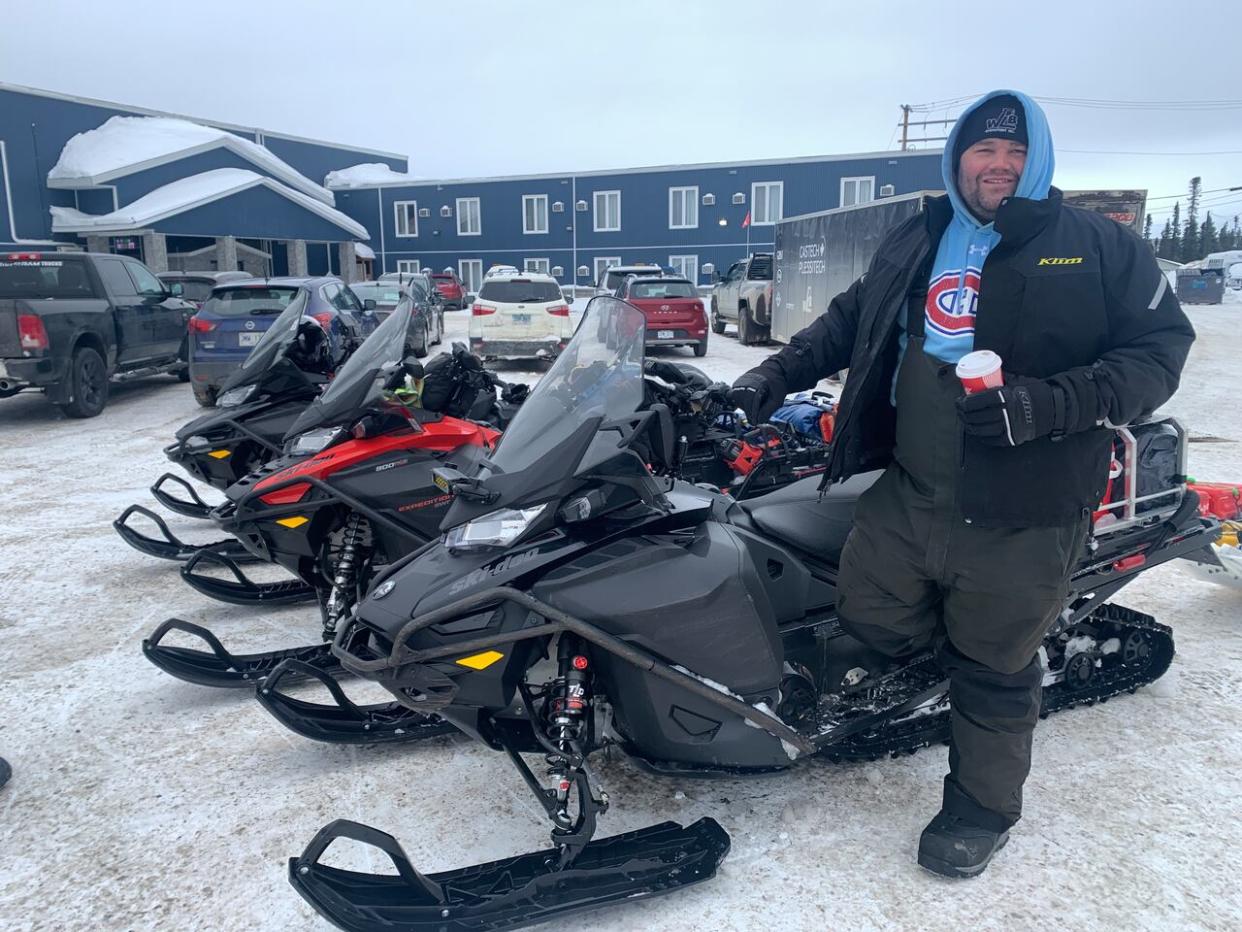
1165, 245
1190, 238
1208, 243
1147, 232
1175, 233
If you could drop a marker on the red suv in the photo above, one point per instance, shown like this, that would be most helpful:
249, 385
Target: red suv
674, 311
451, 290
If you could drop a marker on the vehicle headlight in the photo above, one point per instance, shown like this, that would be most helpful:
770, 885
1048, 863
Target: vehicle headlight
235, 396
314, 440
498, 529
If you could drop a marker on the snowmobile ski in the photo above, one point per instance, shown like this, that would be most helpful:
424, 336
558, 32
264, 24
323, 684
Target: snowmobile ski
169, 546
509, 893
194, 508
243, 591
346, 722
220, 668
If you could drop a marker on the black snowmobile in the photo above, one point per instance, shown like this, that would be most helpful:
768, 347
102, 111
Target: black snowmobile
285, 372
712, 447
354, 493
578, 601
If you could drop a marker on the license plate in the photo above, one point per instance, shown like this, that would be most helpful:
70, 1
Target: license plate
248, 338
521, 318
665, 334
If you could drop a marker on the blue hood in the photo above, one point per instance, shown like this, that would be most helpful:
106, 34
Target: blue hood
957, 272
1040, 161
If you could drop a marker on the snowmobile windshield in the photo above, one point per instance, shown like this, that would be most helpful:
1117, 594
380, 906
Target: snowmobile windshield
271, 348
360, 382
598, 375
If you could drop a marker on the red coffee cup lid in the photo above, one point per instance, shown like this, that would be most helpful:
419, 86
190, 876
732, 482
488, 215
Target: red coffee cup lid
978, 364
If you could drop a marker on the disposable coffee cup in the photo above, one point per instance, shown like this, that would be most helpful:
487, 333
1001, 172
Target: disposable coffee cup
979, 371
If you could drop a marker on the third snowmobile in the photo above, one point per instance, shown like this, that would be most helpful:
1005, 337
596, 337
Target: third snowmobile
353, 494
576, 600
285, 372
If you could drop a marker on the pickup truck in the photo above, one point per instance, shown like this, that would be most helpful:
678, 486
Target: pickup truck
70, 322
744, 296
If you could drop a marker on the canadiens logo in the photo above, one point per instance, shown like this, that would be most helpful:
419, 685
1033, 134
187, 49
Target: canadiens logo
945, 314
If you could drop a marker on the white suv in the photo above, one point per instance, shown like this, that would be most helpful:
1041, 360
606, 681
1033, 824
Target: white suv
518, 316
610, 279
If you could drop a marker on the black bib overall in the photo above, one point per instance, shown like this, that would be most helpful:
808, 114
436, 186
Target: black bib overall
915, 572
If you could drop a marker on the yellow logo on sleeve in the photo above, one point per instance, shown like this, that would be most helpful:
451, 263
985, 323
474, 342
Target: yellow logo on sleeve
1061, 260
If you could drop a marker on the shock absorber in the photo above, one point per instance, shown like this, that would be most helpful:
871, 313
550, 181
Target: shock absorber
570, 705
343, 574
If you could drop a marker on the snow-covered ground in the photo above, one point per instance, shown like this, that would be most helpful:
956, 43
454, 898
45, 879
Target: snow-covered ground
140, 802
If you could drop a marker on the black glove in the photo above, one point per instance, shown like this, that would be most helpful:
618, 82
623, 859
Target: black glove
1020, 410
752, 393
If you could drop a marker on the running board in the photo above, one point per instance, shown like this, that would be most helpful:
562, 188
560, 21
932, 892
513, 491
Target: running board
169, 546
506, 894
345, 722
195, 508
218, 667
243, 591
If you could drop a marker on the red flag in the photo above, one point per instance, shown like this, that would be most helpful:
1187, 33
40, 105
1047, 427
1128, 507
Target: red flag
746, 220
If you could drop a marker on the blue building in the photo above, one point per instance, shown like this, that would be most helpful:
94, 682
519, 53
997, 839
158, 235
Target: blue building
695, 218
192, 194
175, 192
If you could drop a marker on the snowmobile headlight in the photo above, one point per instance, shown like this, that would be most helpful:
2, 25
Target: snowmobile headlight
314, 440
236, 396
197, 444
498, 529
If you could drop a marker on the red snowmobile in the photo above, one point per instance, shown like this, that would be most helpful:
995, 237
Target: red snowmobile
353, 494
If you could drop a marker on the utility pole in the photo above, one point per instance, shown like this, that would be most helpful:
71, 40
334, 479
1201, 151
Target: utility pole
905, 125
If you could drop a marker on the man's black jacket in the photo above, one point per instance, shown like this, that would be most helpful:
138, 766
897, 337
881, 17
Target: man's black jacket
1066, 295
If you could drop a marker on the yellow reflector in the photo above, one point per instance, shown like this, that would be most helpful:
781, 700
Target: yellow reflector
219, 454
480, 661
296, 521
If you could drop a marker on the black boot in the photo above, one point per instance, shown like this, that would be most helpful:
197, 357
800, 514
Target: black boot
953, 847
5, 771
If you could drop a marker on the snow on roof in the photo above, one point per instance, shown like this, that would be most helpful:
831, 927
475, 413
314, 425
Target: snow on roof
363, 251
365, 175
187, 193
124, 145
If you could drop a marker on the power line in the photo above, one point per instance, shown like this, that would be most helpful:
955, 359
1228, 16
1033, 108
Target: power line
1196, 105
1221, 206
1180, 154
1099, 104
1169, 197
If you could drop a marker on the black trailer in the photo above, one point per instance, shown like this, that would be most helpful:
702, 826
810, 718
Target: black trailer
819, 255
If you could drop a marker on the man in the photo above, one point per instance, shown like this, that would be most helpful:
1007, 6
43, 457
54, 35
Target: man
967, 539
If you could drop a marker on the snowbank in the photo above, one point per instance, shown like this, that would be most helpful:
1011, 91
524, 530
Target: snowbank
124, 145
366, 175
194, 191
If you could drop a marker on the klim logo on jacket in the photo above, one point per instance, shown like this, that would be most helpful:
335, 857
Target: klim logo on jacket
1004, 122
951, 301
1060, 260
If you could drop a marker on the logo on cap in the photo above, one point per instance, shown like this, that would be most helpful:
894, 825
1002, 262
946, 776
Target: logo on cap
1005, 122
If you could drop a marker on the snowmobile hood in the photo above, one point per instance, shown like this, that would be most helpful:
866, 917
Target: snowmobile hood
1040, 160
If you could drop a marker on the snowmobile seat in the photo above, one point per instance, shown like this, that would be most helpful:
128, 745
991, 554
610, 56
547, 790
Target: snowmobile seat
796, 515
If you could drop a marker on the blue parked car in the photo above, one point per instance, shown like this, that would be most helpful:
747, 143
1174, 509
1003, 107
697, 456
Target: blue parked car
236, 315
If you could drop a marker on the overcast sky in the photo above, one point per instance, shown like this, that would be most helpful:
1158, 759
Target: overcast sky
489, 88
